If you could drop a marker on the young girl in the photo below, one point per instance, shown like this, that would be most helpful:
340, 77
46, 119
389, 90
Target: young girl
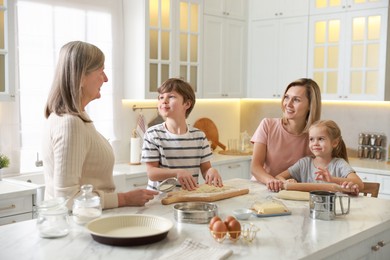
329, 162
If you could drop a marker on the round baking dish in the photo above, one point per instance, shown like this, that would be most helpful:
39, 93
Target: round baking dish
195, 212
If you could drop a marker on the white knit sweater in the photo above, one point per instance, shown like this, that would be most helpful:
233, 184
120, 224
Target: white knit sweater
74, 154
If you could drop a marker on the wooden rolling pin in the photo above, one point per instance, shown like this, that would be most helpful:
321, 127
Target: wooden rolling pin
315, 186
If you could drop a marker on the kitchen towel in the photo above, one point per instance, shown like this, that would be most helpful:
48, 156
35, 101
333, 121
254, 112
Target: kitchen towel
141, 127
191, 250
135, 150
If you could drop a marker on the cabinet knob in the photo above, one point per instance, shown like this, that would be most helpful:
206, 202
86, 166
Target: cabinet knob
280, 13
276, 14
381, 243
375, 248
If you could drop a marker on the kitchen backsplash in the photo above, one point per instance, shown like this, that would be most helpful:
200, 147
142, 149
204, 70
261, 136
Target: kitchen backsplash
234, 116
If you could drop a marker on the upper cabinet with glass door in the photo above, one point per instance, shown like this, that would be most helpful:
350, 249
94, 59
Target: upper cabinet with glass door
162, 41
347, 52
7, 50
173, 41
332, 6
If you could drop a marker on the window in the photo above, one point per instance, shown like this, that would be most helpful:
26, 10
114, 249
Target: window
44, 26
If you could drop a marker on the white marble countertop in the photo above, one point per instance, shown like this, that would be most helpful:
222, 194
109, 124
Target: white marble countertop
370, 166
295, 236
10, 189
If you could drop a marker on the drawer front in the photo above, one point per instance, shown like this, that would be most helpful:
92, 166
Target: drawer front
234, 170
137, 182
385, 184
15, 218
17, 205
366, 177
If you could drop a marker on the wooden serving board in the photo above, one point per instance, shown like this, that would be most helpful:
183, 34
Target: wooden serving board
186, 196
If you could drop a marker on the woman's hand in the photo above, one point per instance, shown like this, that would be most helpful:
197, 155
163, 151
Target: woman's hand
274, 185
354, 188
138, 197
213, 178
323, 175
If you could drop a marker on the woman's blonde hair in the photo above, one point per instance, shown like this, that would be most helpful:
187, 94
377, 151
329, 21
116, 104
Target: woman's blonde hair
334, 133
313, 94
76, 60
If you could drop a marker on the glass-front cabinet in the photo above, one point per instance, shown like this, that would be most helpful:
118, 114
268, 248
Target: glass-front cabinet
347, 52
7, 58
173, 41
163, 40
332, 6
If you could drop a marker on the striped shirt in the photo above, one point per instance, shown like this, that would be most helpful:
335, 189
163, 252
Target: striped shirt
187, 151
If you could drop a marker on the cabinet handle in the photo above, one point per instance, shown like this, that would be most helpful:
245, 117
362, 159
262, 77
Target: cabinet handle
139, 184
378, 246
234, 166
8, 207
381, 243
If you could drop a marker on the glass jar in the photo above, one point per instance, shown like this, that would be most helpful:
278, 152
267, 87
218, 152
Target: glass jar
86, 207
52, 219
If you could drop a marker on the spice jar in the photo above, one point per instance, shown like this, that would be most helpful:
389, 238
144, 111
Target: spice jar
87, 206
52, 220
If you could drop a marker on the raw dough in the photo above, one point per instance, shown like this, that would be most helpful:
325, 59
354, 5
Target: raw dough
205, 188
293, 195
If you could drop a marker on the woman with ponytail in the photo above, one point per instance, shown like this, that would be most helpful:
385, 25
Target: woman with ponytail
329, 162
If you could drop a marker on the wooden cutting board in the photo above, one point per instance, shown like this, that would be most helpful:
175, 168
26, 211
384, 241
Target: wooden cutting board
188, 196
210, 130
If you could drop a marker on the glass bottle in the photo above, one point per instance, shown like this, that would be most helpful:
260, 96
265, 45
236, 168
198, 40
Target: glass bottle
86, 207
52, 220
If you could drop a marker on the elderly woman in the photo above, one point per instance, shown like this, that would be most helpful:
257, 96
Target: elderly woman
74, 153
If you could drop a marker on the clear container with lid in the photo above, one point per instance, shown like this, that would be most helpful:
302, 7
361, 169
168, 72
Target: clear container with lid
52, 220
86, 207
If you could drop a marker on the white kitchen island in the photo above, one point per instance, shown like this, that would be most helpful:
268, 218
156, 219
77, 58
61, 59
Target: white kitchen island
294, 236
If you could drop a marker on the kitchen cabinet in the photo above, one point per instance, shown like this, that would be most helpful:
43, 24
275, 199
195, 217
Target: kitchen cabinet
224, 57
16, 208
347, 54
278, 52
137, 181
163, 40
384, 180
7, 51
226, 8
265, 9
375, 247
331, 6
238, 169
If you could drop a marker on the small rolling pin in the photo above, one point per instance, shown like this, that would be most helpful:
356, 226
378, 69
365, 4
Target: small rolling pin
315, 186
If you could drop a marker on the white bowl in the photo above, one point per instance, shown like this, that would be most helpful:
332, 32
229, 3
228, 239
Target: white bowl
242, 214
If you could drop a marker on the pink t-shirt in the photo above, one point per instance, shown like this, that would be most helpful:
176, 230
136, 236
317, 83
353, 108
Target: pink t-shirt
283, 148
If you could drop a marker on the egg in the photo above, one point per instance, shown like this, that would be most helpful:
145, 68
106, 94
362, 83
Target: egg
228, 219
234, 228
219, 229
213, 220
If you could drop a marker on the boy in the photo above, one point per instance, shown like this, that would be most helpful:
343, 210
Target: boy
174, 149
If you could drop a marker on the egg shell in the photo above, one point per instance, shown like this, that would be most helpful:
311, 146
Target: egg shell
219, 229
234, 228
213, 220
228, 219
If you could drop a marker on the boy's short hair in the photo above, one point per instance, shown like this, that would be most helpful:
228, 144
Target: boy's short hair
182, 88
